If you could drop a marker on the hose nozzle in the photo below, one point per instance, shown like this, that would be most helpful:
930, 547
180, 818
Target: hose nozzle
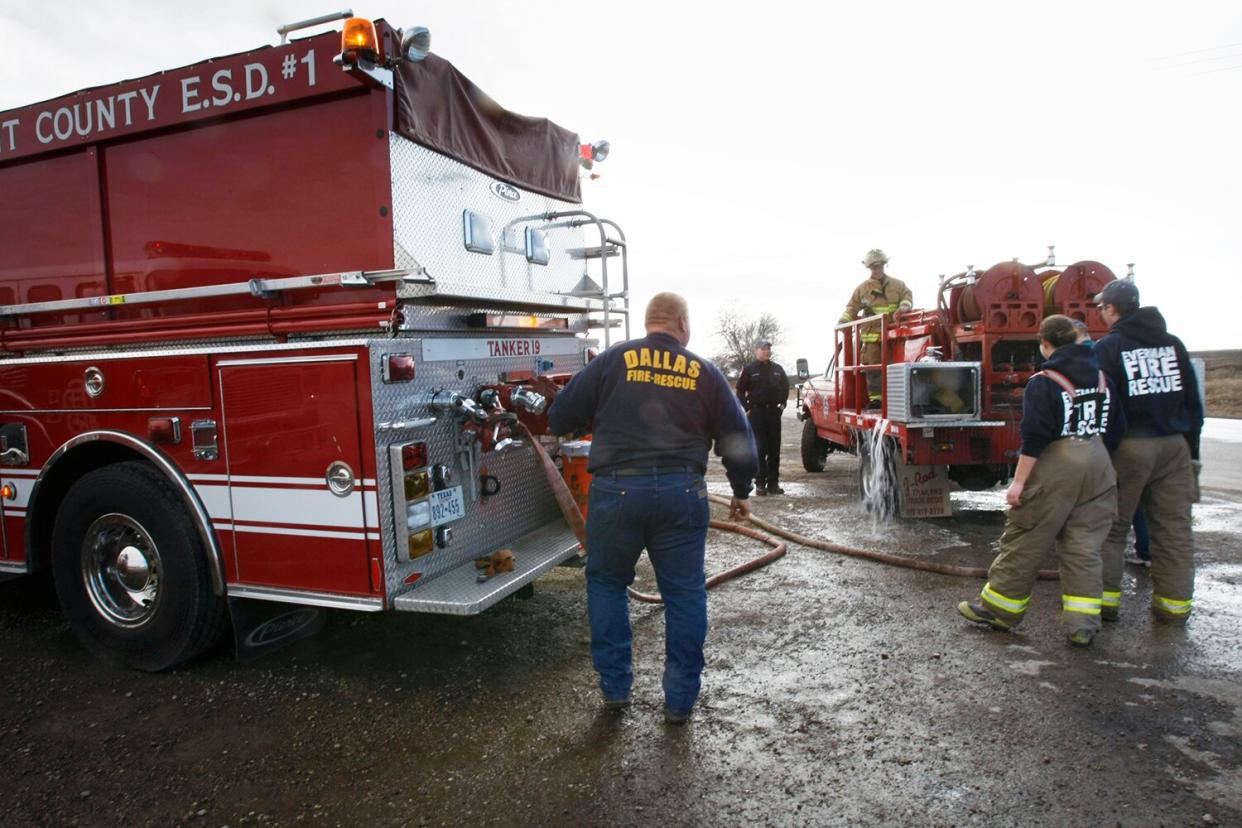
524, 397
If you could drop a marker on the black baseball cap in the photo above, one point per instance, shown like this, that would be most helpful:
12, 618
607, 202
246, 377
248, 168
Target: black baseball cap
1118, 292
763, 343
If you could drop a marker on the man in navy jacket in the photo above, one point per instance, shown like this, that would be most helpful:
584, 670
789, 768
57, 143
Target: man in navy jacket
1156, 458
763, 390
654, 410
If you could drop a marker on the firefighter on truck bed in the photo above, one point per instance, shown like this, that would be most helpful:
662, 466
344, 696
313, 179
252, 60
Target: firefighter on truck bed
654, 409
879, 294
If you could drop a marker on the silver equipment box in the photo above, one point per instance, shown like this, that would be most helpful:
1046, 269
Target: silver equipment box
933, 392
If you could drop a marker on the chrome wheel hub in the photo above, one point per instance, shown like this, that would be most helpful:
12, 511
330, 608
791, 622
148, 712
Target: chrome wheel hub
121, 570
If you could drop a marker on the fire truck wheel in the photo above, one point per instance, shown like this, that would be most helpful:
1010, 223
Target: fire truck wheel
131, 572
814, 448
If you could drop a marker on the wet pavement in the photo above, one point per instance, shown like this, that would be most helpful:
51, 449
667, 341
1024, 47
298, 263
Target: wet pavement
837, 692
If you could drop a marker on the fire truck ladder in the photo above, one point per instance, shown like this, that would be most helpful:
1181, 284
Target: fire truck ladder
612, 303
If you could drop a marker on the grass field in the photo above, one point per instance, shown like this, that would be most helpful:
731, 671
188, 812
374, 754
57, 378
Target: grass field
1224, 382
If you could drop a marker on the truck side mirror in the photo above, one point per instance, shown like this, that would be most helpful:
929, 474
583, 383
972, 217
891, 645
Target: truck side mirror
804, 370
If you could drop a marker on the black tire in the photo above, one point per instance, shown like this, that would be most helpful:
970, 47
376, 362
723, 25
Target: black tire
880, 493
814, 448
131, 571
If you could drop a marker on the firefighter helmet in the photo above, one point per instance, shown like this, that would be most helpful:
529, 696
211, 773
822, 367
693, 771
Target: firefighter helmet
874, 257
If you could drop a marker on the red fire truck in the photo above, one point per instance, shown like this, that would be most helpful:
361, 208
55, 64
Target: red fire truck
268, 324
952, 380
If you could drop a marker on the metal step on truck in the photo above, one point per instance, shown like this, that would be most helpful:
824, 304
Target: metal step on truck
269, 327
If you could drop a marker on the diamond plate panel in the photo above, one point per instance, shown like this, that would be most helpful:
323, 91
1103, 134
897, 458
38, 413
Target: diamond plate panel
429, 193
459, 592
524, 503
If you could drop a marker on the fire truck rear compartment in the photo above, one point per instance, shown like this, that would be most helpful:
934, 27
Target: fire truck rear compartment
522, 516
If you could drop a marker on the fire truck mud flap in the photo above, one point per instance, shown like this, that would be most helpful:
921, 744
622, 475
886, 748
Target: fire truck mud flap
259, 627
460, 592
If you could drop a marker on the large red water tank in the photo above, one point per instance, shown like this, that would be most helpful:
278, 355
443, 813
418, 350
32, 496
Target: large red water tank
1006, 296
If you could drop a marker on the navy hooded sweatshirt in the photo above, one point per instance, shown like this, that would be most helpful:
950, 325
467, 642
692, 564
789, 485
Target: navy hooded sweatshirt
1049, 413
650, 402
1155, 381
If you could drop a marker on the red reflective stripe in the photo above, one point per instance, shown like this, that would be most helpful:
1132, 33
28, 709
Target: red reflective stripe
1059, 378
1063, 381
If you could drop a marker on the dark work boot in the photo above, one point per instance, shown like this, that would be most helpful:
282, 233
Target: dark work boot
675, 717
1081, 638
775, 489
977, 612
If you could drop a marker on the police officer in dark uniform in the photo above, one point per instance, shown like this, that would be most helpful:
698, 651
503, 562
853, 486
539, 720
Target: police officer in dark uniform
763, 389
654, 409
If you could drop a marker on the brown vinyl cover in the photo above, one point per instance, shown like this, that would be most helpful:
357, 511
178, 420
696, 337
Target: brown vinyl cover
440, 108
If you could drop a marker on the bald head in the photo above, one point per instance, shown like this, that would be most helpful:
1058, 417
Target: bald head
668, 313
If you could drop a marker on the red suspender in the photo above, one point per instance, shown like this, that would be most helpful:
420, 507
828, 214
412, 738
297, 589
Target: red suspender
1061, 380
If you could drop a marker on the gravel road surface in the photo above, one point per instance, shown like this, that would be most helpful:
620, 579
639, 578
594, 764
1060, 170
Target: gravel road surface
837, 692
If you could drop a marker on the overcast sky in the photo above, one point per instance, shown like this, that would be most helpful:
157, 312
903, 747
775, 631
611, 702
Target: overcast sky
759, 150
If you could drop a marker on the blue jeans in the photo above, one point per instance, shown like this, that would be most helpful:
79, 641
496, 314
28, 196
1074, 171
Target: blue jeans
666, 514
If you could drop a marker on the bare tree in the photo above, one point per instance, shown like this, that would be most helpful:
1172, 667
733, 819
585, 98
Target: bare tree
740, 335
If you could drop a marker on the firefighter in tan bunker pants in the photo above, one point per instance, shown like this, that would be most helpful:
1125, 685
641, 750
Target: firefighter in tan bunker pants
880, 294
1158, 459
1063, 491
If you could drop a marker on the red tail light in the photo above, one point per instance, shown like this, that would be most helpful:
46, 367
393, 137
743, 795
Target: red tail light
165, 430
399, 368
413, 456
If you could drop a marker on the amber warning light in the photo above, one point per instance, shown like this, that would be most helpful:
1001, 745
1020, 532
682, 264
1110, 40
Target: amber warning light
358, 38
8, 491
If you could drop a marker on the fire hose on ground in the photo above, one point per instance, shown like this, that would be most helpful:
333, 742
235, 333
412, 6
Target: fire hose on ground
778, 550
573, 516
872, 555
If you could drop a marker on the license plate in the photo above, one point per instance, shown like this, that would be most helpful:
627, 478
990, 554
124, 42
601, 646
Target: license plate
447, 505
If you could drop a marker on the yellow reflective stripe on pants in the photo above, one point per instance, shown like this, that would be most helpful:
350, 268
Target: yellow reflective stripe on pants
1014, 605
1171, 606
1111, 599
1080, 603
870, 337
